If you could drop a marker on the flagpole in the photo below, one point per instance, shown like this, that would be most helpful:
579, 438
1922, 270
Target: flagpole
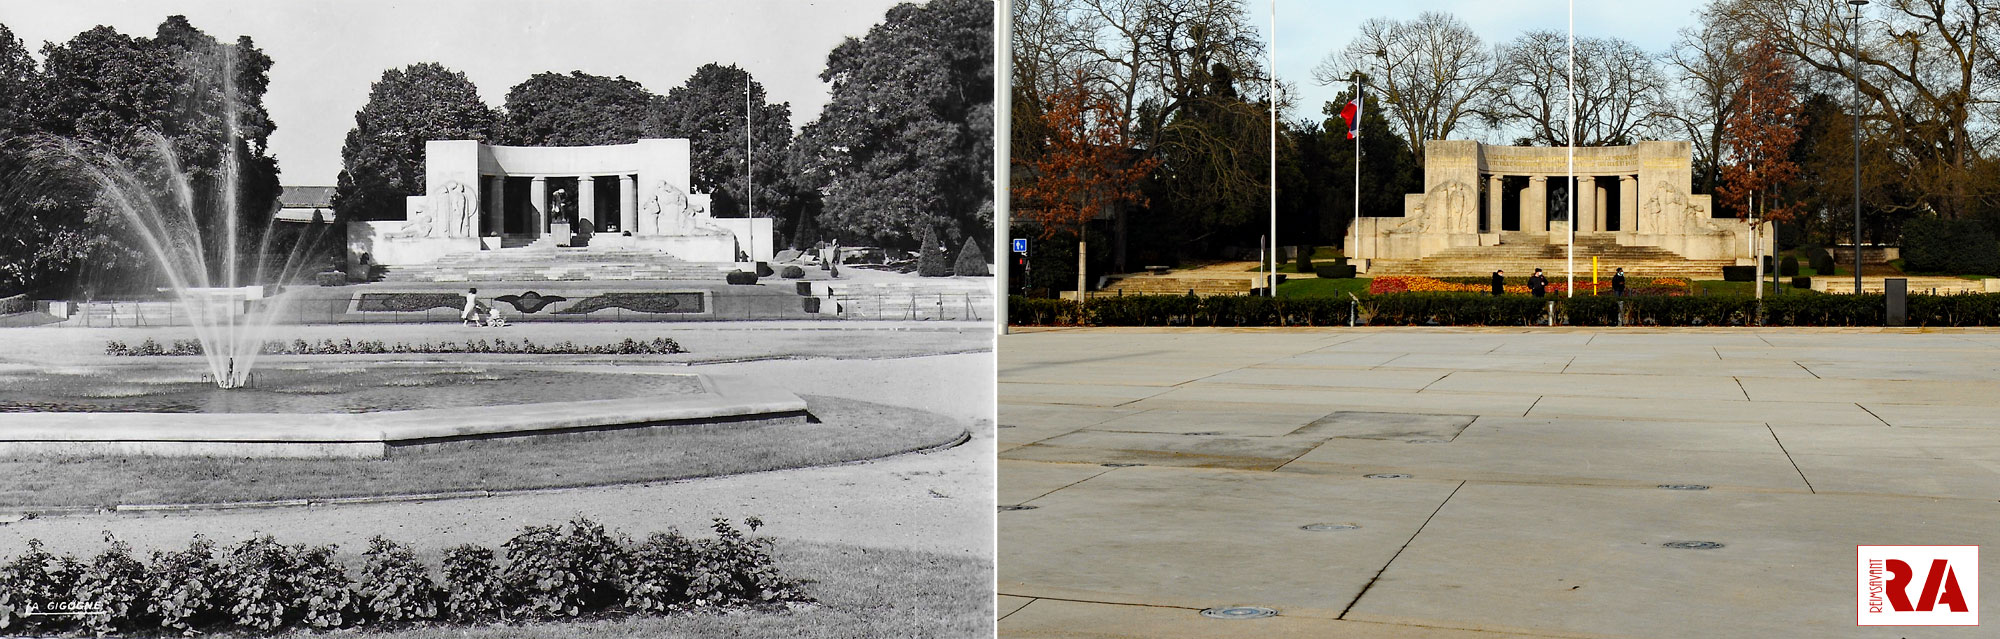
1357, 160
1571, 267
1271, 285
749, 193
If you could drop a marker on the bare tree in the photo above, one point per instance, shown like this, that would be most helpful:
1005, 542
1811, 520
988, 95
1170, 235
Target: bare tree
1620, 91
1706, 61
1930, 74
1426, 73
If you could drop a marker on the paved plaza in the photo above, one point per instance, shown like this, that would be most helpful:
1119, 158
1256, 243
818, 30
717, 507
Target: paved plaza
1484, 482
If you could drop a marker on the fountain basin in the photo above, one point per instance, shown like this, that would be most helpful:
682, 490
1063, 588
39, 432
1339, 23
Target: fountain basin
709, 401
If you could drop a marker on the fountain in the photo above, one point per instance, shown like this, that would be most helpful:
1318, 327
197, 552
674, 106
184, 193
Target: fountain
231, 317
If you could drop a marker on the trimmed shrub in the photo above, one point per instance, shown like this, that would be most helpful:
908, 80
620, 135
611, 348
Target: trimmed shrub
1472, 309
184, 587
740, 278
792, 272
930, 255
1789, 267
809, 304
764, 269
330, 278
36, 580
473, 590
115, 585
1304, 262
1739, 273
1950, 246
736, 570
551, 574
394, 587
1820, 259
1801, 282
971, 261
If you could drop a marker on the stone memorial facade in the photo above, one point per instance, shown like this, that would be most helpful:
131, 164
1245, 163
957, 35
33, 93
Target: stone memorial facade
485, 197
1478, 195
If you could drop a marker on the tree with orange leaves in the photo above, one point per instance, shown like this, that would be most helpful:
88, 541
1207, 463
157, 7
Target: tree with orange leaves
1757, 142
1087, 164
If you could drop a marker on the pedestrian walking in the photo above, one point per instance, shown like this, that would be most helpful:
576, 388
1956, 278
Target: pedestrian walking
470, 315
1499, 282
1538, 283
1618, 282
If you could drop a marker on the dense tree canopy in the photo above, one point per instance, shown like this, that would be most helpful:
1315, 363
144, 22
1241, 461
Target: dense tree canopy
906, 140
383, 157
579, 109
117, 98
709, 110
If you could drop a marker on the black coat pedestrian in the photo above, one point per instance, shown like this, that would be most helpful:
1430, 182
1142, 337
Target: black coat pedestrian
1499, 284
1618, 284
1537, 284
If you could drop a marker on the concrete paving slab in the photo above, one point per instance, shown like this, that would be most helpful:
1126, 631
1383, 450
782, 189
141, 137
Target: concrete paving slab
1589, 560
1542, 464
1934, 416
1030, 480
1736, 437
1962, 393
1959, 478
1398, 427
1108, 373
1055, 618
1827, 413
1483, 362
1009, 604
1385, 378
1880, 441
1334, 359
1430, 401
1682, 387
1196, 538
1624, 363
1270, 422
1243, 453
1073, 393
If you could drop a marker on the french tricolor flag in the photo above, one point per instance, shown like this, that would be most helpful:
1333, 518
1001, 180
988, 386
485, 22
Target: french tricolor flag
1352, 114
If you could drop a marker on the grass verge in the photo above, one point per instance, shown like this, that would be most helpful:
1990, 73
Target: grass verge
1316, 287
849, 430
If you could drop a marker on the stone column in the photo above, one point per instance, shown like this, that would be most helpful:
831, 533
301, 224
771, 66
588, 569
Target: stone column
1586, 204
586, 201
1494, 187
1628, 203
538, 204
1603, 206
496, 199
628, 204
1535, 205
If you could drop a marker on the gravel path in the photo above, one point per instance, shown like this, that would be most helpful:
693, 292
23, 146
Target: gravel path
938, 502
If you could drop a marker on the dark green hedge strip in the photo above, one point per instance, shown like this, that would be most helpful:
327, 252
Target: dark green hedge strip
1472, 309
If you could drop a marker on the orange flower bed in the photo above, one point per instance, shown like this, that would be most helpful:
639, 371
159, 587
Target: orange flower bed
1419, 284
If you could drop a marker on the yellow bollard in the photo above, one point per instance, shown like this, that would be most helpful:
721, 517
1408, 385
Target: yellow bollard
1593, 275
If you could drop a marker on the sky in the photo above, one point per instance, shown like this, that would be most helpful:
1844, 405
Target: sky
326, 54
1309, 29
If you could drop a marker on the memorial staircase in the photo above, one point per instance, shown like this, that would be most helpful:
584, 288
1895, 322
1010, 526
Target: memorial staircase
1521, 253
553, 264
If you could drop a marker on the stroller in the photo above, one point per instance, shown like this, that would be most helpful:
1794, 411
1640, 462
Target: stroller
492, 318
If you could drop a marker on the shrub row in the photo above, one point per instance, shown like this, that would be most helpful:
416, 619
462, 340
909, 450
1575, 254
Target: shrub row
1472, 309
260, 585
657, 346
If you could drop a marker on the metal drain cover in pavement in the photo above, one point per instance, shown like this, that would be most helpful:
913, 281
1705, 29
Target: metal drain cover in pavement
1239, 612
1317, 527
1683, 486
1016, 507
1694, 545
1387, 476
1120, 465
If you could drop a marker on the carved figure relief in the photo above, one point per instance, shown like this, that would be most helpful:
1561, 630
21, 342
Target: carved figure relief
421, 224
668, 209
455, 213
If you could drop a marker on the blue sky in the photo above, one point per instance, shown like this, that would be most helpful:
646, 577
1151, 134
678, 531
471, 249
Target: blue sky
328, 53
1309, 29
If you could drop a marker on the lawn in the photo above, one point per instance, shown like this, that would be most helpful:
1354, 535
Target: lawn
1315, 287
847, 430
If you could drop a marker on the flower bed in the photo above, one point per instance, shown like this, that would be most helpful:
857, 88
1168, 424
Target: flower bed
260, 585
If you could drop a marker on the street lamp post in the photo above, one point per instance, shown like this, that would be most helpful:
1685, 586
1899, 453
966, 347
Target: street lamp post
1856, 18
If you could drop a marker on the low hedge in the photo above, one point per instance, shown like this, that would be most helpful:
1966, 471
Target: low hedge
259, 585
1473, 309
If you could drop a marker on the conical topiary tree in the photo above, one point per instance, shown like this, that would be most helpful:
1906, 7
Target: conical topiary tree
971, 262
930, 256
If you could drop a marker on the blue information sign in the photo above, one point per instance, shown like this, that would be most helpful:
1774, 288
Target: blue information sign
1020, 245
